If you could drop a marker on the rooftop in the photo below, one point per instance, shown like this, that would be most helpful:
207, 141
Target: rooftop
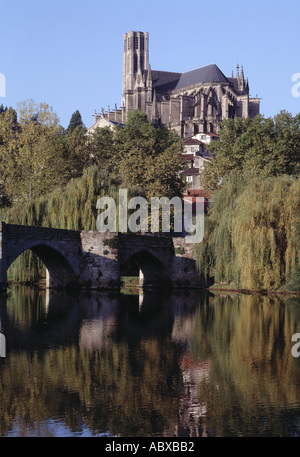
164, 80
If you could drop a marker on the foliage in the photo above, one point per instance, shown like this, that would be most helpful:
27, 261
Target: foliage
259, 147
70, 207
40, 163
36, 154
294, 279
140, 155
250, 232
101, 146
75, 121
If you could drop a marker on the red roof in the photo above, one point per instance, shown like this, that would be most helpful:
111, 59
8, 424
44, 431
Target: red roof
188, 157
197, 193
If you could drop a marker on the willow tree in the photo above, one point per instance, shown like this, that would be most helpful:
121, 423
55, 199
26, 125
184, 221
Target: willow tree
250, 234
294, 279
72, 207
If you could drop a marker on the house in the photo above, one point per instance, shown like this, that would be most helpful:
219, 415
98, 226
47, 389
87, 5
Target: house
192, 194
195, 155
103, 121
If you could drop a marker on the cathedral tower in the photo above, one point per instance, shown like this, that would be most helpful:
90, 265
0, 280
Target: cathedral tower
135, 64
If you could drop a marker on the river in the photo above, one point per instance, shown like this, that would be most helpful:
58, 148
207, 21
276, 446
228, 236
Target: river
152, 364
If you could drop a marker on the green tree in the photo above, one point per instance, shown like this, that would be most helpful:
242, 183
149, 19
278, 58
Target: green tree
259, 147
32, 164
75, 121
250, 236
2, 108
36, 153
149, 157
101, 144
294, 279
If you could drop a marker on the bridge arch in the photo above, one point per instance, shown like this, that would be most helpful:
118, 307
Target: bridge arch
60, 270
153, 272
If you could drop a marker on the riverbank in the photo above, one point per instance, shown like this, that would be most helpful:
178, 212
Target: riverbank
232, 288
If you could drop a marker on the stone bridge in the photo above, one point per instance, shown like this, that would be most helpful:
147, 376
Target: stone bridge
94, 260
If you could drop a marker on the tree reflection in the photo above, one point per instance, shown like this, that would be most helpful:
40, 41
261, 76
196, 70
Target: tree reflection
187, 366
253, 383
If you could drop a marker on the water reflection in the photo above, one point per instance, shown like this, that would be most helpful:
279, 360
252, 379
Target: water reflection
157, 364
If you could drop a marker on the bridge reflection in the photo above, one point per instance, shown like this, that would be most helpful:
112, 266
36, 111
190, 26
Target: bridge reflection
32, 318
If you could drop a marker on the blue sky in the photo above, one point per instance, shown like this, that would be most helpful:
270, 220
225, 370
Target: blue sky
68, 53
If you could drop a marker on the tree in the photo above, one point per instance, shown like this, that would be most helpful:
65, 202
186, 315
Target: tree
36, 153
250, 232
75, 121
102, 149
39, 125
2, 109
71, 153
149, 157
294, 279
256, 147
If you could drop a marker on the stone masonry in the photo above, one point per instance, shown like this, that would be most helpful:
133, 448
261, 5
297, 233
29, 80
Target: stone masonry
193, 102
93, 260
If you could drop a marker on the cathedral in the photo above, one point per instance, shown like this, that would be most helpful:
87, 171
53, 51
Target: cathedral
189, 103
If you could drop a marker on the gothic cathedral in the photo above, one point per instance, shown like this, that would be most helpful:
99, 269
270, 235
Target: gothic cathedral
189, 103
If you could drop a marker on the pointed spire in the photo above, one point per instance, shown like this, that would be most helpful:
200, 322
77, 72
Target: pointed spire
238, 72
242, 74
242, 80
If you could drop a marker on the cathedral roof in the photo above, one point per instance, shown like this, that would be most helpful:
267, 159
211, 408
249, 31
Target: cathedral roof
209, 73
165, 80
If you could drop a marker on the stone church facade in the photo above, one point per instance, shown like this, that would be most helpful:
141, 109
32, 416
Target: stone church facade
190, 103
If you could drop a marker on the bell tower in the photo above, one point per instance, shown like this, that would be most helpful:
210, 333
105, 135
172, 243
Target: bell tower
135, 60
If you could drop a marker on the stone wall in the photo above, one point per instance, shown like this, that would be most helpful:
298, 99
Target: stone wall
99, 264
184, 268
